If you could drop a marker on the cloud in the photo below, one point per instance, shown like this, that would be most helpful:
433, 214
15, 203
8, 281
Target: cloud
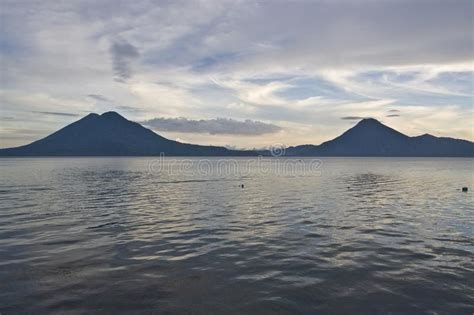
57, 114
98, 97
218, 126
243, 59
17, 102
353, 118
393, 111
123, 54
393, 115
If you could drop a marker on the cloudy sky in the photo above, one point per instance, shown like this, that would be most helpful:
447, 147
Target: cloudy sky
240, 73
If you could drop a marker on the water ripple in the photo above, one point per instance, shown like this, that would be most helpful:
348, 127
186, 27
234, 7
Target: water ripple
363, 236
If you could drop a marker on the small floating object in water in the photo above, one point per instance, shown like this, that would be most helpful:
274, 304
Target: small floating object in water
465, 189
242, 186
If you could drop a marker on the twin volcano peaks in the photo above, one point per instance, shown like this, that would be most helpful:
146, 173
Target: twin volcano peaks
111, 134
108, 115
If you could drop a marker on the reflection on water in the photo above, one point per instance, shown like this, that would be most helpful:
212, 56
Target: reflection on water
358, 236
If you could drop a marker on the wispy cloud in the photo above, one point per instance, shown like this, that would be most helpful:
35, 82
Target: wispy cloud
57, 114
123, 54
98, 97
243, 59
212, 126
353, 118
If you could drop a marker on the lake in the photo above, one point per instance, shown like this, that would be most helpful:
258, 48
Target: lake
181, 235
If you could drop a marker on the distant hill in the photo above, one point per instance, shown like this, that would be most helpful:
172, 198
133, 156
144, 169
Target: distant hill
372, 138
110, 134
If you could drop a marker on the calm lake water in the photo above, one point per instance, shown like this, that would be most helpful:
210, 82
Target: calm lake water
144, 235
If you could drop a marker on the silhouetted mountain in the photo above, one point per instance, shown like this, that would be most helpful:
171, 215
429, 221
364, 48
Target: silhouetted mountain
110, 134
372, 138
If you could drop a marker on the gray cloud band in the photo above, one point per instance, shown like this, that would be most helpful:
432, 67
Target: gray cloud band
212, 126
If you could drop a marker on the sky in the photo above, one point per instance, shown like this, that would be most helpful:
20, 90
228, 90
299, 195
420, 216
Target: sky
243, 74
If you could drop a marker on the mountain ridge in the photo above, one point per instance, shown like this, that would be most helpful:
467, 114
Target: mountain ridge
369, 137
111, 134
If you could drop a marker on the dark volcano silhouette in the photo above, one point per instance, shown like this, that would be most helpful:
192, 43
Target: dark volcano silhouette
372, 138
110, 134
